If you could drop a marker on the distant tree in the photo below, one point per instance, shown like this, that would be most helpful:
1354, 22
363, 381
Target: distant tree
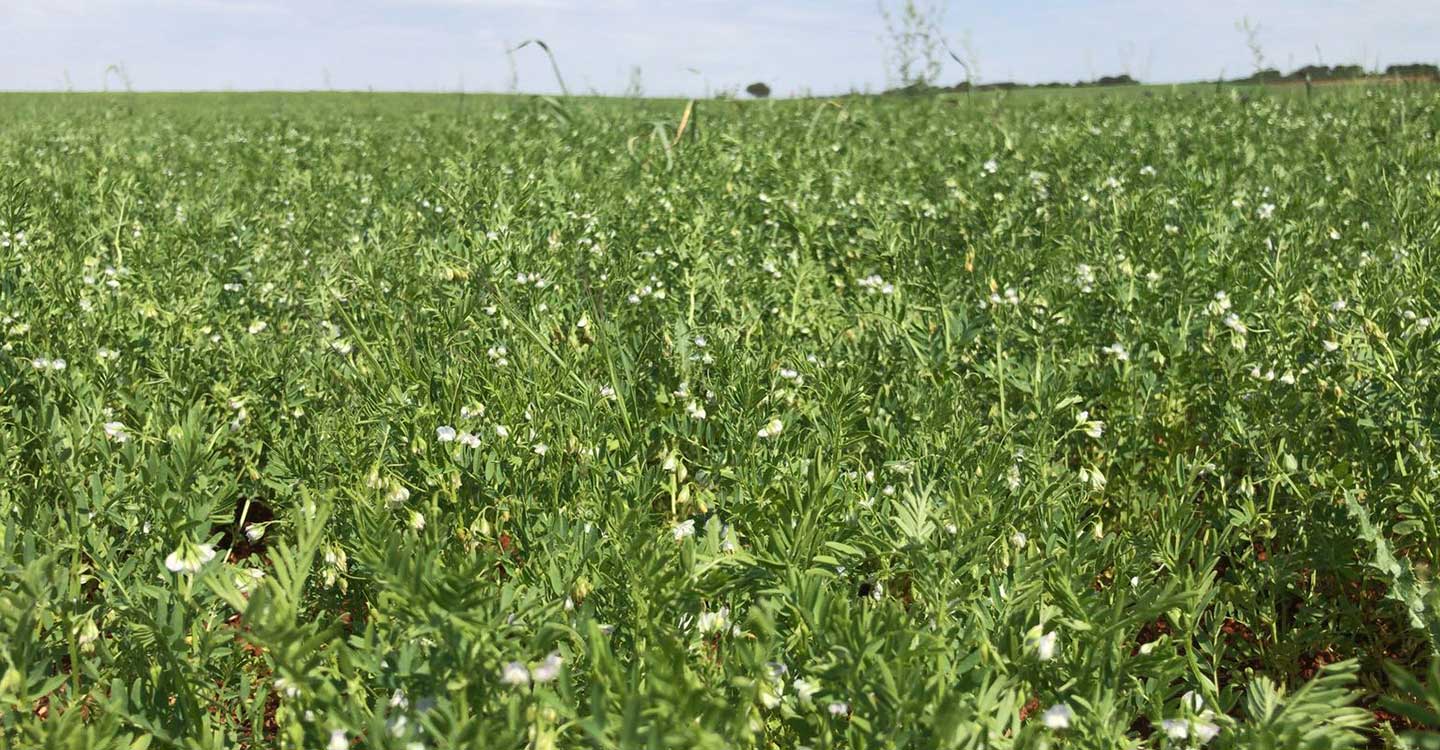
1414, 70
1123, 79
758, 90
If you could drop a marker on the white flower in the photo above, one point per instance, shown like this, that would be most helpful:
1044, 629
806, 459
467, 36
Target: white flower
1338, 305
771, 429
1095, 429
700, 342
1233, 322
116, 431
255, 532
445, 433
501, 431
1117, 350
606, 392
684, 529
469, 440
788, 373
286, 687
1094, 477
772, 689
515, 674
1045, 645
874, 283
839, 708
398, 699
245, 578
1330, 346
713, 622
189, 558
472, 411
417, 520
1204, 730
539, 449
1265, 211
338, 740
257, 326
1018, 540
1176, 729
397, 496
1058, 716
991, 166
805, 689
695, 410
548, 670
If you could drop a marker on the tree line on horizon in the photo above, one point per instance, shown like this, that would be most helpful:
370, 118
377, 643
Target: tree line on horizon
1312, 73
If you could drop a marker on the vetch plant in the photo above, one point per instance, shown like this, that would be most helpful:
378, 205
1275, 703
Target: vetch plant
850, 425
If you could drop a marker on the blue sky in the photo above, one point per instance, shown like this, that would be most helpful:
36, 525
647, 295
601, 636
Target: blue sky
682, 47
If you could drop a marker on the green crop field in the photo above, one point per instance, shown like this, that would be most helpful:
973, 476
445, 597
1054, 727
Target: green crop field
401, 421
